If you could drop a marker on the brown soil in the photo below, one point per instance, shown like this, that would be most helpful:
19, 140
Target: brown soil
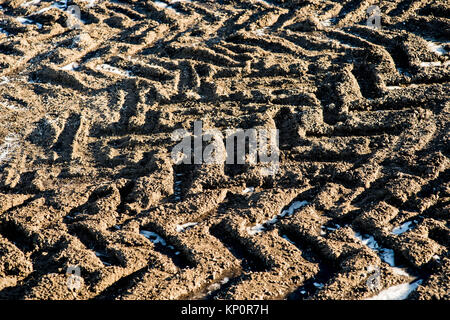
85, 165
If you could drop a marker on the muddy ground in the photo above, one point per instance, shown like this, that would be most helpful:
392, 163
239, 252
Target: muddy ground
86, 178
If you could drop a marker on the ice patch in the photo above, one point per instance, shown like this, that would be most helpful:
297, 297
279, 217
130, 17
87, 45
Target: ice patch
403, 228
181, 228
398, 292
153, 237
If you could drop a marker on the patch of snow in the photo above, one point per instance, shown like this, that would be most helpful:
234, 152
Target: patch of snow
260, 32
326, 23
248, 190
294, 206
290, 211
387, 255
393, 87
216, 286
70, 67
346, 45
398, 292
431, 64
404, 86
318, 285
403, 228
213, 287
161, 4
11, 107
164, 5
29, 3
4, 80
153, 237
7, 147
91, 3
400, 272
23, 20
45, 9
436, 48
181, 228
109, 68
255, 229
267, 3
